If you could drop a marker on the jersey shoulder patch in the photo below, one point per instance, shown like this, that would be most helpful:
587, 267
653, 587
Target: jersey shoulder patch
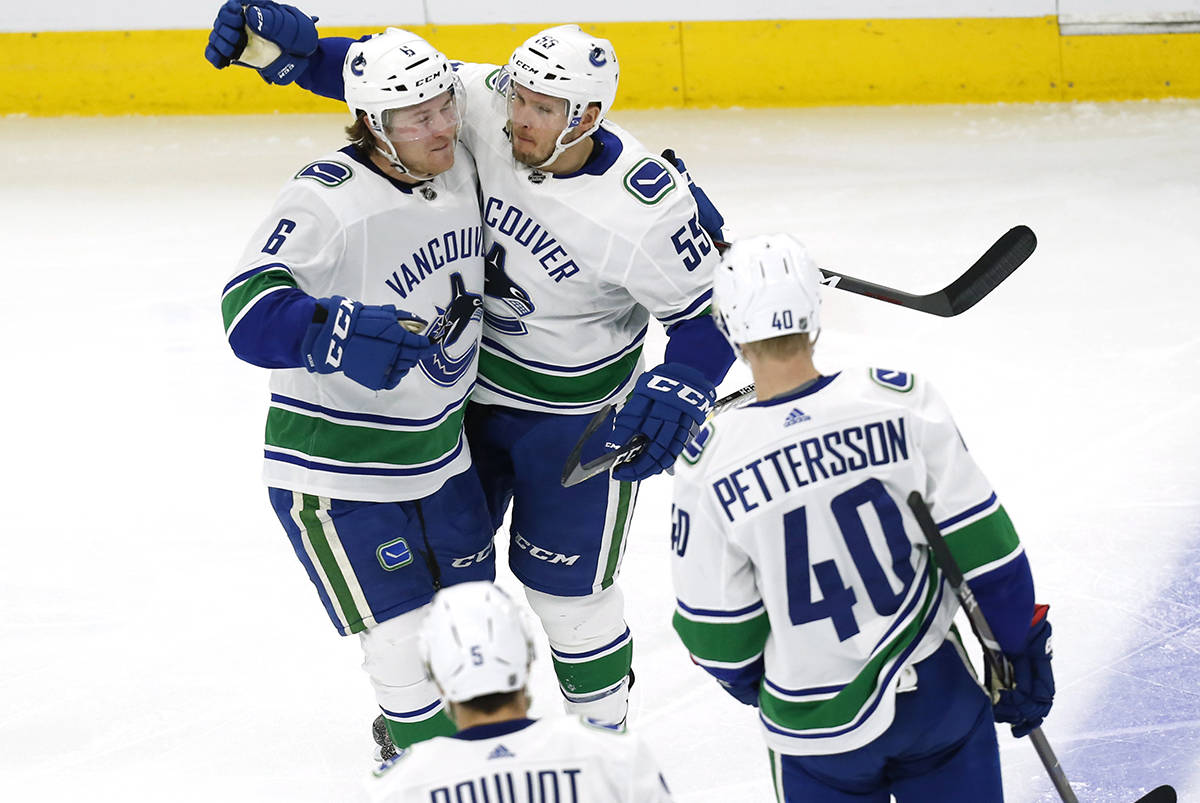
329, 173
694, 448
899, 381
649, 181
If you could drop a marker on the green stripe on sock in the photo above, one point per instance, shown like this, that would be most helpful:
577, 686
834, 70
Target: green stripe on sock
723, 642
574, 389
586, 677
404, 734
333, 574
990, 539
624, 500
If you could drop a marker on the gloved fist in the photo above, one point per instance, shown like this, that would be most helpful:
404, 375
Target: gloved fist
667, 407
368, 343
284, 39
1028, 702
709, 218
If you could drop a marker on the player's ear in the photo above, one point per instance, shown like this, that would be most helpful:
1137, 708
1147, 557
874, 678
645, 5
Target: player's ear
589, 117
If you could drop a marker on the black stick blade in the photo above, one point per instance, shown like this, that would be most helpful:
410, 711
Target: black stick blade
997, 264
573, 473
1163, 794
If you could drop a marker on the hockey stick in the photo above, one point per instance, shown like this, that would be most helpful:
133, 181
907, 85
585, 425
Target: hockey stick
575, 473
995, 659
997, 264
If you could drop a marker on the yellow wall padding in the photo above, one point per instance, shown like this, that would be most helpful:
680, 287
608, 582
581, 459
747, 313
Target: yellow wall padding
663, 64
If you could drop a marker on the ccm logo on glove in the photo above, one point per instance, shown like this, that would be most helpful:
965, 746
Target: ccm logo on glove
665, 384
337, 340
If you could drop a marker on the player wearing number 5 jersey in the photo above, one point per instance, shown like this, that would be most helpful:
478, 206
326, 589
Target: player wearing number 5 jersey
478, 651
588, 236
805, 585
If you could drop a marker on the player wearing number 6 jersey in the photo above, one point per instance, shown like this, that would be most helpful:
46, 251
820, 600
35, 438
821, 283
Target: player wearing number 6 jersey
804, 583
588, 236
362, 291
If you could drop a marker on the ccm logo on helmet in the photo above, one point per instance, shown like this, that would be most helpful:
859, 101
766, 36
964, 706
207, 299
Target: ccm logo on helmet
690, 395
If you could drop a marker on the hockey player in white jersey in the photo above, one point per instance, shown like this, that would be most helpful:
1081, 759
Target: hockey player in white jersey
362, 291
588, 236
804, 583
478, 652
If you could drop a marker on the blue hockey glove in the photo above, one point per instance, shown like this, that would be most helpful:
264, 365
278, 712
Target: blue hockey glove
287, 27
710, 219
227, 38
1028, 702
667, 406
369, 344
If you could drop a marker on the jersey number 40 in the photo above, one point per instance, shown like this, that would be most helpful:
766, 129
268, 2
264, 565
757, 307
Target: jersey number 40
837, 600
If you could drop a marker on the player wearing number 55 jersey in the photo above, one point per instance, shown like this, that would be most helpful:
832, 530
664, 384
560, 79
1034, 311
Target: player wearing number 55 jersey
804, 583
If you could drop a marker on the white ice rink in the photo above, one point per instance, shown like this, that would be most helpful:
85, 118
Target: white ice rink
159, 640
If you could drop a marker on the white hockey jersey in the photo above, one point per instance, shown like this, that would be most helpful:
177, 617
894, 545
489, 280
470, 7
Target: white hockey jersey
577, 264
342, 227
792, 542
555, 760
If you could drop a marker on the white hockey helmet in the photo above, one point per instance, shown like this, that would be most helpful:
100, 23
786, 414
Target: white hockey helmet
475, 642
392, 71
567, 62
767, 286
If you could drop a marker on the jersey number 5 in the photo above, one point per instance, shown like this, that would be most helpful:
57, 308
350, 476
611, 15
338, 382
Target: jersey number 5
837, 600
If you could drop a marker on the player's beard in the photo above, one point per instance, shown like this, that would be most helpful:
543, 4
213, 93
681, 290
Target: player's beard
531, 159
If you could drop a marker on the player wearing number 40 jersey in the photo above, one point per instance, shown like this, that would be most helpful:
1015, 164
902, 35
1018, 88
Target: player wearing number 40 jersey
804, 583
588, 236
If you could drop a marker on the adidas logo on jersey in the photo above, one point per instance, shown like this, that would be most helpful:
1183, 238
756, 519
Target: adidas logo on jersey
501, 752
796, 416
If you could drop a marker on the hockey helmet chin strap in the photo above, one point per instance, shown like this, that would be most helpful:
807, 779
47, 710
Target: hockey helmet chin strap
560, 146
394, 160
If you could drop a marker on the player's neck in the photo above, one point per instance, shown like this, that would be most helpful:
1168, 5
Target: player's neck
467, 717
572, 159
775, 377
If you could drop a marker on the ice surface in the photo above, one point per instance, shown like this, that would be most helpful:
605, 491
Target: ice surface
160, 641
